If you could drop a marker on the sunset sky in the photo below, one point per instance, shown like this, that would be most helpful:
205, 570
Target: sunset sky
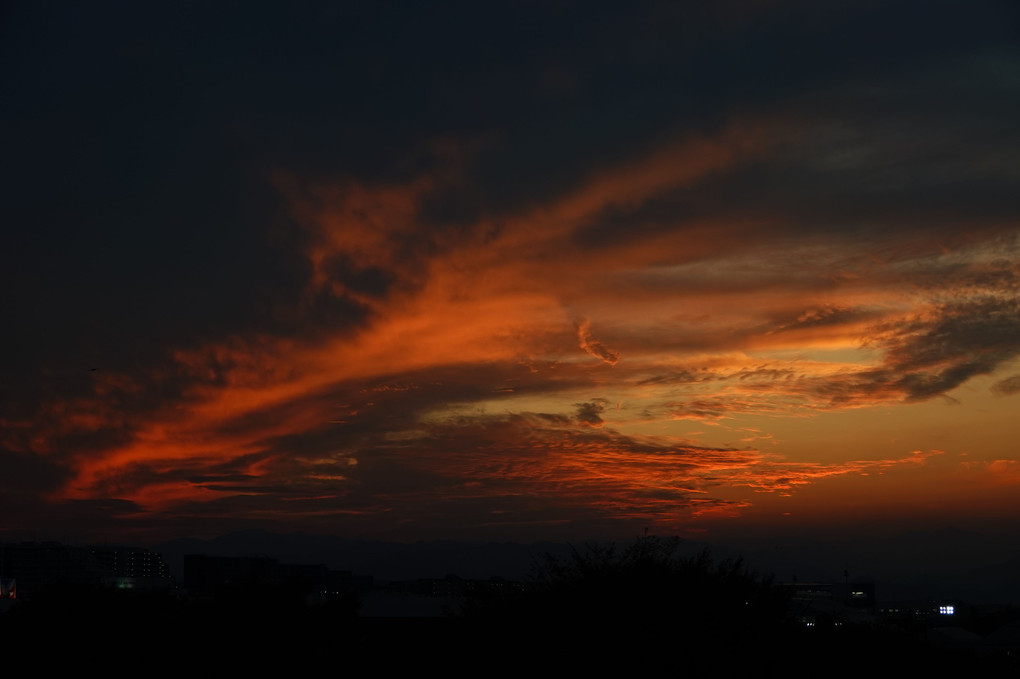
522, 270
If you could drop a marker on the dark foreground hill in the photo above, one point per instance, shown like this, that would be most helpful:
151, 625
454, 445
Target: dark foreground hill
599, 609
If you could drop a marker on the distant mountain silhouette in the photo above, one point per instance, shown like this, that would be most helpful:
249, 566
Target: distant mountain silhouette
915, 564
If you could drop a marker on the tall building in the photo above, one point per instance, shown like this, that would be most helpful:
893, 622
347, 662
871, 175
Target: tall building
39, 565
130, 567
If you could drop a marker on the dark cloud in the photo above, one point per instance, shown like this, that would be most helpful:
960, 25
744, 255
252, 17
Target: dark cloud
590, 413
30, 478
963, 339
926, 356
1008, 386
166, 215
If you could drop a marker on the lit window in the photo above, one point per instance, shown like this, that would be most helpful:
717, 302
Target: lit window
946, 610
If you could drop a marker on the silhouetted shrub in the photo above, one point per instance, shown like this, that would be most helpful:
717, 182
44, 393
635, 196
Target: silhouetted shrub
606, 604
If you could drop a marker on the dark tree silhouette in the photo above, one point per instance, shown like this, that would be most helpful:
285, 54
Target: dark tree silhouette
604, 606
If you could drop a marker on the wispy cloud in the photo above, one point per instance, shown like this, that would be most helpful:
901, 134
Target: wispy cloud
577, 278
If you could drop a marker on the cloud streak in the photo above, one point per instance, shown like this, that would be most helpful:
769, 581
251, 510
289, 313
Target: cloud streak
592, 346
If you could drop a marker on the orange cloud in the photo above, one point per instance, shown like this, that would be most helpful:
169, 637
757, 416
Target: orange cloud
717, 323
592, 346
